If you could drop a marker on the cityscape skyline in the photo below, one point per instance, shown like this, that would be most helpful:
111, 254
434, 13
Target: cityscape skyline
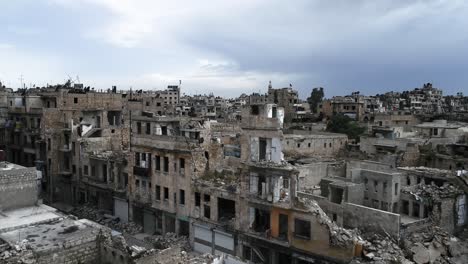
343, 47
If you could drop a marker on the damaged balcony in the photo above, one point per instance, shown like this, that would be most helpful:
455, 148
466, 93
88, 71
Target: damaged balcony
271, 189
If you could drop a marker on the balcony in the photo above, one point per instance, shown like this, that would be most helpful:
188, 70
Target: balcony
140, 171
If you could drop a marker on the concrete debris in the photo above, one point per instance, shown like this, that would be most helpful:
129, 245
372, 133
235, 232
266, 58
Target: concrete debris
432, 192
105, 219
168, 240
338, 236
432, 245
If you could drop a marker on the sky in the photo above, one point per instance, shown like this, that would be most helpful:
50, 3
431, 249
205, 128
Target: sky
233, 47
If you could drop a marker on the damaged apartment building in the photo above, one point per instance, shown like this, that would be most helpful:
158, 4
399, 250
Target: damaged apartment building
77, 139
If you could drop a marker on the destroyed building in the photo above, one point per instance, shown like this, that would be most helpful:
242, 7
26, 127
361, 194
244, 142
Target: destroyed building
247, 180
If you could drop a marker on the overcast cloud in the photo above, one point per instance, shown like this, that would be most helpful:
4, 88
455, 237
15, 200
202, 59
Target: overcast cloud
230, 47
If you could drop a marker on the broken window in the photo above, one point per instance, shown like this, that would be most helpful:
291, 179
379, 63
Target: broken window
138, 127
75, 100
274, 111
158, 163
148, 128
259, 220
85, 168
206, 198
336, 195
197, 199
166, 193
164, 130
206, 211
254, 110
137, 184
158, 192
376, 185
262, 149
182, 197
405, 207
166, 164
302, 228
408, 180
226, 209
396, 188
416, 209
182, 166
283, 227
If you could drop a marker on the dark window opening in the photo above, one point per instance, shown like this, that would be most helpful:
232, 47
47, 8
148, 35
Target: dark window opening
283, 227
182, 197
166, 164
75, 100
336, 195
206, 211
226, 209
148, 128
405, 207
164, 130
206, 198
262, 149
138, 127
158, 192
254, 110
302, 228
261, 221
166, 193
158, 163
197, 199
274, 112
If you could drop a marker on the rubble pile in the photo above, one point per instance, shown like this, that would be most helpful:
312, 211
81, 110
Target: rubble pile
338, 236
380, 249
436, 246
168, 240
102, 218
19, 253
434, 192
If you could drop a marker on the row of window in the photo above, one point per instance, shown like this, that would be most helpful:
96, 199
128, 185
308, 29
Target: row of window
143, 160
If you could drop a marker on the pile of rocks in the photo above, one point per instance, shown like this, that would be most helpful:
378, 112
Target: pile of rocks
168, 240
105, 219
339, 236
434, 245
380, 249
19, 253
432, 191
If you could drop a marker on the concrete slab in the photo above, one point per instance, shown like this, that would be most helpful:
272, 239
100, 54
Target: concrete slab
27, 216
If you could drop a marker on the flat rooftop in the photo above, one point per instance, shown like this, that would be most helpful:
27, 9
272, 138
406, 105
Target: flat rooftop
54, 235
7, 166
27, 216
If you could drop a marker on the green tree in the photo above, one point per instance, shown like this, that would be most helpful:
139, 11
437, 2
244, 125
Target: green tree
316, 97
343, 124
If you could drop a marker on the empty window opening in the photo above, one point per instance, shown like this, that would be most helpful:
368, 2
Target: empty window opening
416, 209
262, 149
182, 197
138, 127
166, 164
336, 195
207, 211
396, 188
166, 193
302, 228
182, 166
148, 128
274, 112
254, 110
158, 163
261, 220
164, 130
197, 199
206, 198
226, 209
405, 207
283, 227
158, 192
